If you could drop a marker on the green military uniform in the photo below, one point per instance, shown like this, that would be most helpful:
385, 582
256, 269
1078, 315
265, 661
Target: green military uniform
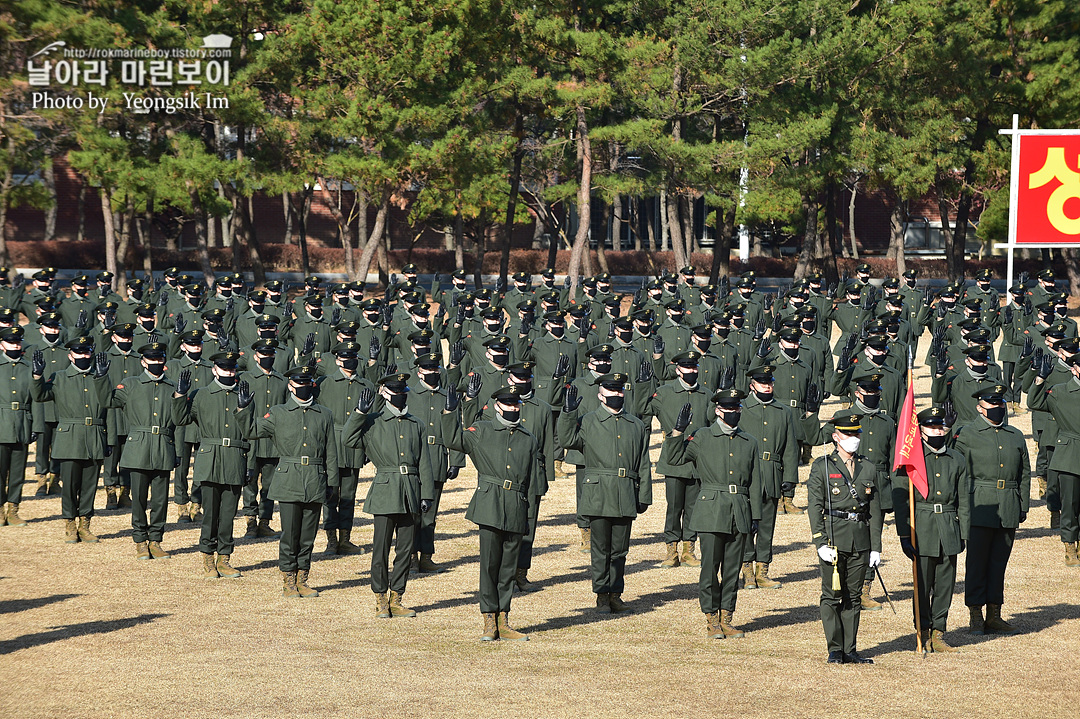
16, 425
959, 384
268, 387
185, 438
845, 515
1063, 402
124, 363
56, 359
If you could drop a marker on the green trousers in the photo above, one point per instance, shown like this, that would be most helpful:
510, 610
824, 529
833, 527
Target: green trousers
425, 541
759, 548
988, 551
840, 608
386, 525
498, 564
299, 525
78, 486
220, 502
12, 469
721, 560
340, 506
937, 577
153, 485
610, 542
681, 495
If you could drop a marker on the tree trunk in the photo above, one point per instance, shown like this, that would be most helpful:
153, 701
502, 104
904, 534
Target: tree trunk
481, 249
5, 195
110, 230
851, 220
459, 241
123, 244
833, 238
374, 240
675, 231
650, 223
344, 227
584, 199
200, 235
244, 232
956, 236
305, 203
146, 237
286, 205
511, 203
616, 223
896, 236
810, 237
81, 209
48, 176
686, 210
725, 237
662, 210
601, 254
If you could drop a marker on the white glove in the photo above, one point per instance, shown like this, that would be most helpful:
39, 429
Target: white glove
827, 553
875, 558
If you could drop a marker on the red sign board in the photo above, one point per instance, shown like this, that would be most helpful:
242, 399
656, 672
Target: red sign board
1048, 201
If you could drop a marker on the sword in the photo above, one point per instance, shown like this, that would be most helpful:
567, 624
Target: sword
877, 571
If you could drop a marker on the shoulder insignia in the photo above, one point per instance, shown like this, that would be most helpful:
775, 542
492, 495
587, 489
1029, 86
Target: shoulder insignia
470, 429
266, 415
119, 386
690, 438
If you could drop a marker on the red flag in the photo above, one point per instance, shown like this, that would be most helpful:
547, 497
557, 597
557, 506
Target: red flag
909, 449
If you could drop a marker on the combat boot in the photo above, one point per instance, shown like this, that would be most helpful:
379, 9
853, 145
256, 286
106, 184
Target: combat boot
1071, 560
938, 645
42, 485
672, 558
13, 518
346, 547
427, 566
396, 609
226, 570
382, 606
603, 602
110, 498
156, 551
687, 558
288, 589
252, 530
1055, 520
790, 508
1040, 492
869, 604
3, 515
506, 631
560, 471
54, 483
86, 536
209, 568
730, 632
586, 541
975, 620
71, 534
142, 551
491, 628
995, 624
331, 541
182, 514
302, 586
1018, 409
195, 512
521, 580
124, 500
712, 626
264, 529
747, 576
762, 577
414, 563
617, 604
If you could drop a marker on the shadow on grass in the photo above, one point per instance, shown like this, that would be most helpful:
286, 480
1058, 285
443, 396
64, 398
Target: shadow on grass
10, 606
59, 634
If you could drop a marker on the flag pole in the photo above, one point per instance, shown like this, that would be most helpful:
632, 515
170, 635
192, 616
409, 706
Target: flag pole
919, 648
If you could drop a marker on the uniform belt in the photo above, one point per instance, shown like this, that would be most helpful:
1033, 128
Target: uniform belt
997, 483
152, 429
86, 421
226, 442
402, 469
16, 407
727, 488
304, 460
935, 508
432, 439
507, 484
850, 516
612, 472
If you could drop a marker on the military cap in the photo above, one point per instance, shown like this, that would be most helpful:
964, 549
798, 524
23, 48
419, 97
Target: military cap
709, 290
413, 298
876, 326
702, 331
419, 310
136, 282
527, 306
980, 336
429, 360
549, 298
521, 369
123, 329
266, 320
104, 276
81, 281
1018, 288
466, 298
1044, 308
274, 286
932, 417
171, 271
588, 282
910, 274
749, 275
807, 311
576, 311
623, 323
689, 358
371, 304
688, 270
12, 334
410, 269
80, 344
520, 277
192, 337
313, 280
556, 317
302, 374
723, 317
798, 294
791, 321
347, 327
869, 381
972, 303
675, 305
815, 277
745, 282
341, 288
491, 313
613, 301
739, 308
791, 334
847, 422
421, 337
357, 286
863, 267
603, 277
762, 374
1069, 346
978, 353
641, 316
266, 346
214, 315
549, 273
854, 287
948, 291
154, 350
40, 275
1072, 360
194, 289
994, 394
397, 382
257, 297
458, 274
654, 285
613, 380
106, 307
313, 300
498, 341
729, 398
345, 349
1059, 298
507, 395
225, 360
600, 351
1045, 275
7, 314
46, 301
891, 283
49, 319
484, 293
984, 274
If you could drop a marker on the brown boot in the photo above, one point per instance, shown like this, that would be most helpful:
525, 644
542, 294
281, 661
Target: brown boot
762, 577
506, 631
331, 541
42, 485
226, 570
252, 530
995, 624
747, 576
975, 620
603, 602
521, 580
491, 627
560, 470
790, 508
54, 483
712, 626
142, 551
396, 609
86, 536
288, 588
1018, 408
3, 515
1071, 560
1040, 491
672, 557
730, 632
1055, 520
414, 563
302, 586
687, 558
124, 500
195, 512
346, 547
382, 606
156, 551
71, 534
182, 514
110, 498
617, 604
586, 541
264, 529
868, 602
938, 645
428, 566
209, 568
13, 518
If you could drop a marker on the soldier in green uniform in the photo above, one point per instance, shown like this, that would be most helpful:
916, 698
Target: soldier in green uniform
303, 436
403, 488
185, 438
217, 410
725, 458
124, 363
16, 423
56, 358
507, 459
269, 388
82, 394
958, 384
146, 401
845, 523
941, 524
616, 480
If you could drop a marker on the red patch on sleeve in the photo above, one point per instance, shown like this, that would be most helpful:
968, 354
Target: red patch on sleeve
266, 415
690, 438
119, 386
835, 476
470, 429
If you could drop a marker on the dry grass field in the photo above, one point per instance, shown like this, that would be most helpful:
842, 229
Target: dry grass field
88, 631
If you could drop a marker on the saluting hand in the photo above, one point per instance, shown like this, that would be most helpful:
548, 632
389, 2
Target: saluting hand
183, 382
244, 395
472, 389
571, 399
686, 414
452, 399
367, 400
37, 363
561, 367
101, 365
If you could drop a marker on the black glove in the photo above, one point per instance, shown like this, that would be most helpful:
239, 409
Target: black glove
500, 284
941, 364
225, 344
309, 344
1008, 315
786, 487
391, 368
639, 297
1027, 349
561, 367
108, 450
611, 330
867, 302
813, 398
950, 413
387, 314
845, 360
452, 472
963, 545
764, 349
459, 317
366, 401
335, 317
1023, 517
727, 377
244, 395
250, 476
941, 310
851, 342
864, 332
526, 325
907, 547
101, 365
754, 526
457, 353
584, 326
768, 301
641, 508
393, 279
645, 373
1046, 367
1029, 308
472, 388
425, 505
927, 299
153, 338
163, 298
452, 400
776, 320
80, 322
183, 382
658, 345
682, 421
34, 435
831, 294
566, 282
108, 320
37, 363
571, 399
725, 287
179, 325
759, 330
374, 348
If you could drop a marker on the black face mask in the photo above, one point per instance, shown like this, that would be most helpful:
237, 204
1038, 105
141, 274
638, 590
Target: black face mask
420, 322
50, 333
510, 415
936, 442
722, 331
265, 362
431, 379
226, 292
148, 323
731, 419
81, 291
14, 354
602, 368
979, 369
525, 387
557, 331
137, 294
625, 336
268, 333
155, 369
690, 378
1061, 311
871, 401
500, 359
258, 309
878, 359
703, 345
996, 415
226, 380
984, 286
316, 312
124, 345
194, 356
676, 317
791, 352
350, 363
83, 363
303, 392
764, 397
493, 328
373, 317
808, 327
398, 400
274, 297
614, 401
738, 322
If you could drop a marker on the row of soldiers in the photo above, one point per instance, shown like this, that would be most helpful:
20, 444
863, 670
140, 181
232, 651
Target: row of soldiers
681, 344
